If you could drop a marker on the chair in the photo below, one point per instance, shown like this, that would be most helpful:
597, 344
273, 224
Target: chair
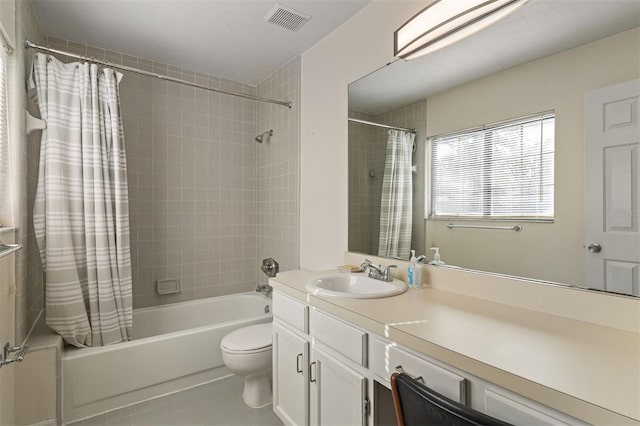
417, 405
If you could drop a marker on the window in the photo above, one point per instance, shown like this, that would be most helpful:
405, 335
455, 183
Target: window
497, 172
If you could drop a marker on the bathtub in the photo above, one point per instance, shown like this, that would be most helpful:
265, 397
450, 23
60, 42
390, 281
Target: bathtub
174, 347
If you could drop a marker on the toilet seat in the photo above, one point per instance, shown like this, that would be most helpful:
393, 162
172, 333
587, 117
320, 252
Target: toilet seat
248, 340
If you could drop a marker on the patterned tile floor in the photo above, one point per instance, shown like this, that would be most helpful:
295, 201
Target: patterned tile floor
217, 403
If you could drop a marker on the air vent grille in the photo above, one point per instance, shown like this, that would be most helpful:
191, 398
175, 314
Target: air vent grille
286, 17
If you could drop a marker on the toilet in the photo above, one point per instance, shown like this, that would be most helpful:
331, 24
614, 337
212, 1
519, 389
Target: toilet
247, 353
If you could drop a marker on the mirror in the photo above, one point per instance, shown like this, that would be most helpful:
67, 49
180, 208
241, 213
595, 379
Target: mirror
547, 56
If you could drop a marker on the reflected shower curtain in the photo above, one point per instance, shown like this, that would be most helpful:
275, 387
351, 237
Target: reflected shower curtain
397, 197
81, 213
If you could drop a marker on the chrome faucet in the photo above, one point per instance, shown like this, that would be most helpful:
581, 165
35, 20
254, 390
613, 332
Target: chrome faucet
265, 289
376, 273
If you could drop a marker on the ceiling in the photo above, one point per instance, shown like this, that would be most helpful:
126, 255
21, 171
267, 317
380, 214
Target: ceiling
226, 38
539, 28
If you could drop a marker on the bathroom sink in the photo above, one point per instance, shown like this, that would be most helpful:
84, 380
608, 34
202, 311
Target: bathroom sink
354, 286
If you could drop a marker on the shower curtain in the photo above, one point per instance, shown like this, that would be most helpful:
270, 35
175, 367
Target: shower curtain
397, 197
81, 213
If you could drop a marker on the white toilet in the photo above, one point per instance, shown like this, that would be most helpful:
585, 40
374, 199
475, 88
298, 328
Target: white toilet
247, 353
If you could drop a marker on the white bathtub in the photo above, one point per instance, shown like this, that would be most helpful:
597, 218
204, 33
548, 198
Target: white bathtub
175, 347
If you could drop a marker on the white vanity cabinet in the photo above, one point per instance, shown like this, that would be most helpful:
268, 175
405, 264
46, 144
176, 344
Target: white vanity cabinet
338, 394
290, 360
326, 370
517, 410
290, 376
317, 383
338, 385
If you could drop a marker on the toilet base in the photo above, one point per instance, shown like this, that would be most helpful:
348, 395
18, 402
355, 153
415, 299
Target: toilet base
257, 390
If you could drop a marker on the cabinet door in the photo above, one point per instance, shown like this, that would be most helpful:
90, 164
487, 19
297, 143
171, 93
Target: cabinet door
290, 386
338, 394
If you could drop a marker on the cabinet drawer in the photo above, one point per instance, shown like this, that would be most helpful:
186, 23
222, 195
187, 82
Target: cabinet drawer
339, 336
291, 311
385, 357
518, 410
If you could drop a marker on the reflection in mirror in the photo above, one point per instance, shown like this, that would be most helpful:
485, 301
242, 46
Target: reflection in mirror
581, 63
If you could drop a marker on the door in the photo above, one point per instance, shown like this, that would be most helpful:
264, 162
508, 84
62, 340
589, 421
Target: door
7, 330
290, 387
338, 394
612, 188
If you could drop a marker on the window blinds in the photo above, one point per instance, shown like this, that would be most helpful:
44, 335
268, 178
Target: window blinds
499, 171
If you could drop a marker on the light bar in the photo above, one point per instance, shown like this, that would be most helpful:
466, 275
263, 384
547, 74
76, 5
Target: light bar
444, 22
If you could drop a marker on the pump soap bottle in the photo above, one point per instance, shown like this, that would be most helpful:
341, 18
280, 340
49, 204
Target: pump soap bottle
436, 257
413, 271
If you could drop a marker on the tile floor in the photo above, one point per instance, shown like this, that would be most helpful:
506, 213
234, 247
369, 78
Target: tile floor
217, 403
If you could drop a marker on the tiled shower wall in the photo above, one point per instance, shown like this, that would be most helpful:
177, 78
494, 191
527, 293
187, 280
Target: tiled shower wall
194, 171
278, 163
367, 152
29, 274
367, 146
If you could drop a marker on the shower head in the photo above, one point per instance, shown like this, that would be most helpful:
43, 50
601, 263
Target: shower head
262, 135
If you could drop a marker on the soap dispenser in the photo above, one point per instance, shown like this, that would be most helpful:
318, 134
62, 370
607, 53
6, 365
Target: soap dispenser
436, 257
413, 271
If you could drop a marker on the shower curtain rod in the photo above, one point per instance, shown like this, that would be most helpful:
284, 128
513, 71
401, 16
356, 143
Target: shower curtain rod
32, 45
371, 123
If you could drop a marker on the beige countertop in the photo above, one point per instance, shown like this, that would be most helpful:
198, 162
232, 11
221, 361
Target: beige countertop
588, 371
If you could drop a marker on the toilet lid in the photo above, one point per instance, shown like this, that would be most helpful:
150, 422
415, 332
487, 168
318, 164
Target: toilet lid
249, 338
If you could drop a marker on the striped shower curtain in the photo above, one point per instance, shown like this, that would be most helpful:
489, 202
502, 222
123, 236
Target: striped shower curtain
397, 197
81, 213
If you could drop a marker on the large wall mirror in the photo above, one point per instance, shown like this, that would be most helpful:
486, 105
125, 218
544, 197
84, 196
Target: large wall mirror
570, 72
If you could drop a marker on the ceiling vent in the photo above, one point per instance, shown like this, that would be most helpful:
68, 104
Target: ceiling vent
286, 17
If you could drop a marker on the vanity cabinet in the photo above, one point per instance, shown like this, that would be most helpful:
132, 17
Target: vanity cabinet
338, 394
311, 384
325, 371
290, 376
517, 410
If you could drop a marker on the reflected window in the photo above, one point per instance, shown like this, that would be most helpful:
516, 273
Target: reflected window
499, 171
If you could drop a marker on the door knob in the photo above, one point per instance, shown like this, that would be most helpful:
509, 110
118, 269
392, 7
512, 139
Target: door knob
594, 248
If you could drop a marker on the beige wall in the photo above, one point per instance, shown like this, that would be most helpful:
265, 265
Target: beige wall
361, 45
543, 251
278, 169
24, 153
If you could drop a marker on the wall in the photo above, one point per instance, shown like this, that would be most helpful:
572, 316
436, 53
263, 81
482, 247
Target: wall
553, 252
366, 157
278, 169
24, 154
362, 44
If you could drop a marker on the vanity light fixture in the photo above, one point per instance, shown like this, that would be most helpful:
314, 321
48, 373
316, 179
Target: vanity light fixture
444, 22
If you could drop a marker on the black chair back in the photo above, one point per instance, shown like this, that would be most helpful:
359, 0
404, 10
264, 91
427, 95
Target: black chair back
418, 405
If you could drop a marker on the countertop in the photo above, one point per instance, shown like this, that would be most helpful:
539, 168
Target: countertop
588, 371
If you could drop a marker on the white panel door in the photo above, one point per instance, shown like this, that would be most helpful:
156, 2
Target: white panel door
337, 393
290, 386
612, 188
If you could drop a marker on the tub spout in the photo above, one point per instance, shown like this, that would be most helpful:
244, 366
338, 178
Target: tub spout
265, 289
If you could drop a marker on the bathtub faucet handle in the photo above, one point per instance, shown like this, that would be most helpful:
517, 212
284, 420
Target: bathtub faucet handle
270, 267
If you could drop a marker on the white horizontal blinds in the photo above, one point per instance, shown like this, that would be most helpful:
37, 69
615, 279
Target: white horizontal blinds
4, 140
500, 171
